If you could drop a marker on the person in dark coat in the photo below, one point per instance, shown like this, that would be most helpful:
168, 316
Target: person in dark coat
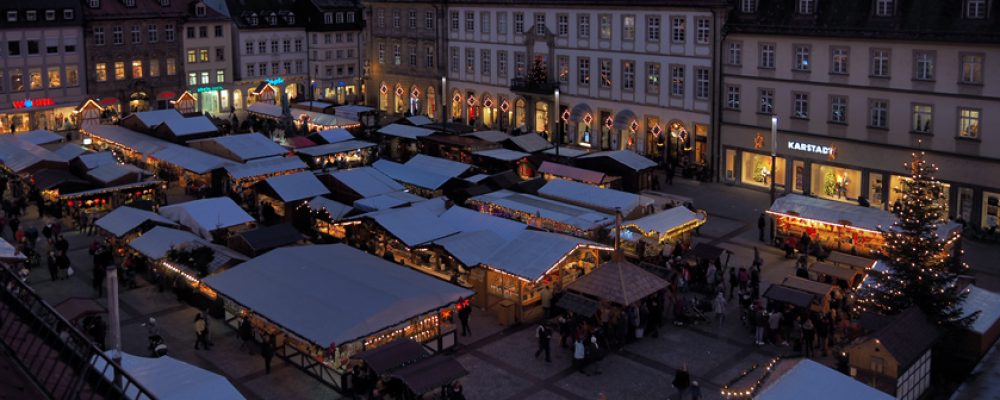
50, 262
99, 332
682, 381
761, 224
267, 351
463, 316
100, 272
246, 335
544, 335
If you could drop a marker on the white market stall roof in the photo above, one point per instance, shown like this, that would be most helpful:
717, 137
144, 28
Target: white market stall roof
414, 225
69, 151
472, 248
811, 380
334, 148
317, 104
94, 160
124, 219
627, 158
10, 253
336, 209
502, 154
566, 171
190, 159
168, 378
40, 137
19, 155
110, 172
530, 142
415, 176
206, 215
489, 136
836, 212
155, 117
270, 110
352, 111
419, 120
665, 220
265, 166
335, 135
367, 181
601, 199
466, 220
315, 118
569, 214
570, 152
987, 303
181, 127
532, 253
438, 165
387, 200
405, 131
155, 243
297, 186
244, 147
332, 294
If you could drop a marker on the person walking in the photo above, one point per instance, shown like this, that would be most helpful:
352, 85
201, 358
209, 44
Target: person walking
100, 272
761, 224
773, 325
544, 335
463, 316
267, 351
682, 381
246, 335
579, 355
695, 391
719, 306
200, 331
732, 281
808, 335
50, 262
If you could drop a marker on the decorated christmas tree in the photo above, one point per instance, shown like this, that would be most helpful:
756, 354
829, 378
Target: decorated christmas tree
920, 269
538, 73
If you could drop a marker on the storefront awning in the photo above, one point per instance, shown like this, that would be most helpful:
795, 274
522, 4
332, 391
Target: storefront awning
109, 101
166, 96
784, 294
577, 304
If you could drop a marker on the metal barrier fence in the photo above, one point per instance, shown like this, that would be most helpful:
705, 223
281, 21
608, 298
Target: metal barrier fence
57, 357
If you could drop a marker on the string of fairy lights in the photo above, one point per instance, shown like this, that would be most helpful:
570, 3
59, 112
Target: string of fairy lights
747, 392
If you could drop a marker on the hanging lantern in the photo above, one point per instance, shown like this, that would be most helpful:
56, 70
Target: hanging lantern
609, 122
587, 119
504, 106
415, 93
565, 115
472, 101
384, 89
634, 126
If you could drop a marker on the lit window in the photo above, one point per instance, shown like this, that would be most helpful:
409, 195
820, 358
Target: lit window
968, 123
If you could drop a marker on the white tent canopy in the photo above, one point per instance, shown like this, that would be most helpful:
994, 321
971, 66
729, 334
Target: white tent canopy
811, 380
298, 186
207, 215
155, 243
366, 181
168, 378
124, 219
665, 220
601, 199
332, 294
244, 147
532, 253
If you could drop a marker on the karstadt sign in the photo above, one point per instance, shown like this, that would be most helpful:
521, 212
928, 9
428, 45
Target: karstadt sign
829, 151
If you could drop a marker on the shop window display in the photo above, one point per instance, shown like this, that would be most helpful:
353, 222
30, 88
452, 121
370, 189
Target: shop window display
896, 183
991, 210
836, 183
757, 170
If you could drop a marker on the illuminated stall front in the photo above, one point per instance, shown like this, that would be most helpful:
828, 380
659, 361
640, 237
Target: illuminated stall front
651, 235
840, 226
542, 213
242, 177
337, 301
341, 155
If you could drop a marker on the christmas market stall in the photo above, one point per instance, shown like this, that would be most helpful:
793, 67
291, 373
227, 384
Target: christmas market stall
169, 378
353, 184
529, 143
312, 120
618, 283
637, 172
284, 193
240, 148
543, 213
147, 121
659, 233
21, 158
330, 136
598, 199
323, 304
257, 241
214, 218
858, 263
366, 115
126, 223
181, 130
458, 148
340, 155
387, 201
409, 363
839, 226
510, 282
399, 142
424, 175
242, 177
498, 160
104, 199
40, 137
325, 214
552, 171
844, 277
804, 379
823, 292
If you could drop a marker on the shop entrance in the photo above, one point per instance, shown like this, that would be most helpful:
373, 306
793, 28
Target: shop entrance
138, 101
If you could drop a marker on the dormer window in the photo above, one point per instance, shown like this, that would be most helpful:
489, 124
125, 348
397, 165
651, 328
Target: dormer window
50, 15
290, 18
94, 3
807, 7
253, 19
68, 14
975, 9
11, 16
272, 19
328, 18
31, 15
748, 6
350, 17
129, 3
884, 8
199, 10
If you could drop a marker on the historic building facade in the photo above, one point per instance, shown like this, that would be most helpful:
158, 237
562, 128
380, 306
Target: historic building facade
133, 52
853, 103
42, 65
405, 60
638, 76
336, 49
208, 59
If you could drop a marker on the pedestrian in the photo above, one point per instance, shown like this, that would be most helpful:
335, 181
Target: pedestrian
732, 281
50, 262
246, 335
65, 268
773, 325
14, 223
544, 335
670, 173
695, 391
760, 322
99, 332
565, 329
796, 334
100, 272
267, 351
743, 277
463, 316
719, 306
546, 293
682, 381
761, 224
200, 327
804, 243
823, 334
808, 335
579, 355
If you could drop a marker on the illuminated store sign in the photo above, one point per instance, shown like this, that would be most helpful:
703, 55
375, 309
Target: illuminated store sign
29, 103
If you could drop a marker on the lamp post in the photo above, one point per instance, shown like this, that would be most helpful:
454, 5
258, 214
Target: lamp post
558, 132
444, 104
774, 151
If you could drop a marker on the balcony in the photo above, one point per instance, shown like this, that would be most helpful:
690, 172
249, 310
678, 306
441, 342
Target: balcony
529, 86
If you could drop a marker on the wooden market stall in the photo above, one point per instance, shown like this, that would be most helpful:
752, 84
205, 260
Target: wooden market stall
552, 171
840, 226
105, 199
662, 231
214, 218
424, 175
340, 155
843, 277
240, 148
858, 263
286, 192
453, 147
495, 161
602, 200
326, 303
542, 213
637, 172
399, 142
241, 178
823, 291
126, 223
354, 184
255, 242
511, 280
313, 121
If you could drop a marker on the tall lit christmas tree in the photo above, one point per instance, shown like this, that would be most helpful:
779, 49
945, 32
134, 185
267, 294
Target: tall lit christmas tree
920, 271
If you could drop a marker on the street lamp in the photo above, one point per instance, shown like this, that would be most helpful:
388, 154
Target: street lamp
444, 103
558, 132
774, 150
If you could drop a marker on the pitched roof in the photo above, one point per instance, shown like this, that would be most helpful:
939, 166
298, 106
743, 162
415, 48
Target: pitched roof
619, 282
502, 154
334, 135
532, 253
207, 215
124, 219
419, 177
566, 171
367, 181
297, 186
155, 243
601, 199
336, 209
155, 117
334, 148
94, 160
265, 166
190, 126
19, 155
489, 136
530, 143
243, 147
907, 337
387, 200
40, 137
808, 379
108, 173
404, 131
627, 158
270, 237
